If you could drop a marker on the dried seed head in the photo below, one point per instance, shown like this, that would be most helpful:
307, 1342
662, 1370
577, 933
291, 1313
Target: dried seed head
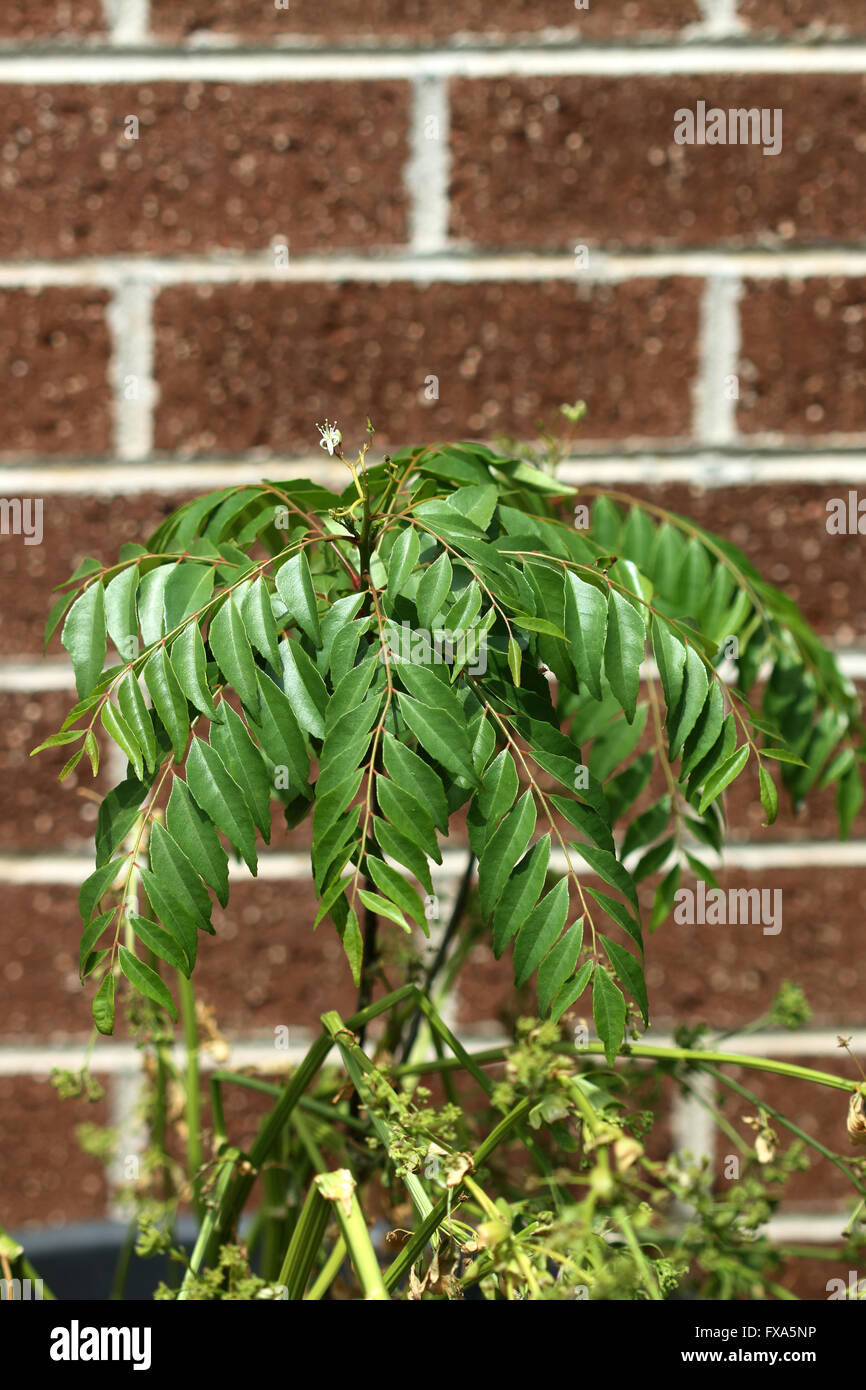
857, 1118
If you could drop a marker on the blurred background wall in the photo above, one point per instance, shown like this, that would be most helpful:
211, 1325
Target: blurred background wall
223, 220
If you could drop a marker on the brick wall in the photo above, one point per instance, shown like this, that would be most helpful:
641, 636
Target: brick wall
222, 220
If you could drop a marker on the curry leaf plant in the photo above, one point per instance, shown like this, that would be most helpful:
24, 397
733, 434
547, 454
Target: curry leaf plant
439, 638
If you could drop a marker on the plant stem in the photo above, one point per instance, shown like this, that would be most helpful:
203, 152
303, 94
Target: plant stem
194, 1150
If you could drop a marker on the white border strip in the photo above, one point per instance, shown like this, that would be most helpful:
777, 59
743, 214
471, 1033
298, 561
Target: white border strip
278, 65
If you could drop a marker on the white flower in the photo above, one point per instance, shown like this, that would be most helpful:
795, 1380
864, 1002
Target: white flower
331, 438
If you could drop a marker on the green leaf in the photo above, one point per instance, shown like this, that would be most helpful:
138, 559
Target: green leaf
694, 694
156, 939
168, 700
402, 560
849, 799
93, 887
237, 750
399, 846
117, 728
520, 894
121, 613
559, 964
71, 765
395, 887
585, 628
783, 755
305, 688
608, 868
540, 931
137, 716
179, 877
608, 1010
723, 775
196, 835
433, 586
189, 663
670, 658
623, 651
103, 1005
405, 812
571, 990
151, 603
504, 848
383, 908
227, 639
91, 934
280, 735
187, 590
441, 736
259, 622
417, 778
295, 587
515, 656
146, 981
220, 797
769, 795
58, 740
84, 637
630, 972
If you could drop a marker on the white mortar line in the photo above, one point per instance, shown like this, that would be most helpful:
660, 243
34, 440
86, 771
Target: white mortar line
704, 468
28, 677
292, 866
124, 1090
693, 1128
427, 174
719, 350
128, 21
720, 19
130, 321
456, 267
114, 1058
280, 65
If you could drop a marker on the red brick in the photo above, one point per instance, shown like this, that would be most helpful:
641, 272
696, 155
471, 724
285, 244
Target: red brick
45, 1178
386, 20
729, 975
835, 19
554, 162
792, 331
214, 167
808, 1277
54, 354
39, 813
255, 366
24, 20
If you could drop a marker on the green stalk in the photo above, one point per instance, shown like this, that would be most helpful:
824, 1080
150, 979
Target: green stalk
233, 1189
305, 1243
413, 1248
329, 1272
338, 1188
644, 1050
194, 1148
